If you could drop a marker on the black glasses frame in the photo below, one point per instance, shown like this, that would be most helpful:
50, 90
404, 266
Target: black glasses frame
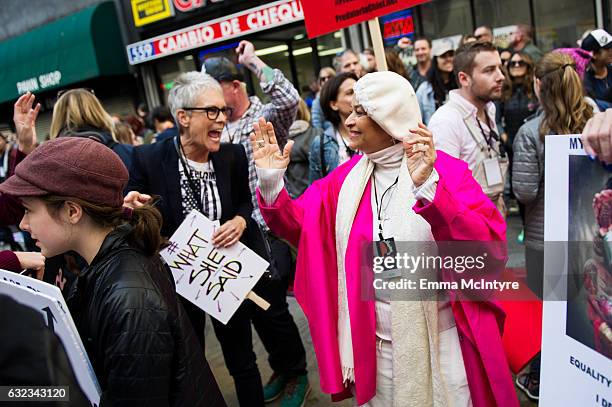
212, 112
517, 63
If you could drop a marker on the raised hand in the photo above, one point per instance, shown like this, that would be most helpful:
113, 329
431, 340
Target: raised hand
246, 52
24, 117
597, 136
266, 151
419, 149
135, 199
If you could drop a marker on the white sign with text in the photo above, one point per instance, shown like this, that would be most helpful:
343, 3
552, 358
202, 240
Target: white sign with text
48, 300
215, 279
576, 336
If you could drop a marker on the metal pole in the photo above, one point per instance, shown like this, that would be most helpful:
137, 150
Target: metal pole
292, 66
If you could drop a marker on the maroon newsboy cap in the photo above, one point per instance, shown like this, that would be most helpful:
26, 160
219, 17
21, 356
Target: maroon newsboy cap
71, 167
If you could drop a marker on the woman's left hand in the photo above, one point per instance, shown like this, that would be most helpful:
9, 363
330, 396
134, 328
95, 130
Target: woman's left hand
419, 149
230, 232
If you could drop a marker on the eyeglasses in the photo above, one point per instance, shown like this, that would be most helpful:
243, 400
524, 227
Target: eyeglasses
211, 112
324, 79
64, 91
518, 63
504, 61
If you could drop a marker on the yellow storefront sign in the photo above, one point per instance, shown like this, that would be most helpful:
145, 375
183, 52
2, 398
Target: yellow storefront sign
149, 11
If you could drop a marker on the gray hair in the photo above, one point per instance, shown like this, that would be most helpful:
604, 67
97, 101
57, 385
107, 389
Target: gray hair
187, 88
337, 62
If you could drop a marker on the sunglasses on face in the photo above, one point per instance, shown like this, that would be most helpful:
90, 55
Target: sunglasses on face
323, 79
64, 91
518, 63
504, 61
211, 112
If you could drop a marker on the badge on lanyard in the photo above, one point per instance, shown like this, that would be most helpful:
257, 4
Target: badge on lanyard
493, 171
385, 247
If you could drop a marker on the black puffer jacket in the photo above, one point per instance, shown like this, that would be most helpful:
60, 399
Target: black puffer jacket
137, 335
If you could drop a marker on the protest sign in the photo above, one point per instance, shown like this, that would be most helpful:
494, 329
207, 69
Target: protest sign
343, 13
577, 339
48, 300
215, 279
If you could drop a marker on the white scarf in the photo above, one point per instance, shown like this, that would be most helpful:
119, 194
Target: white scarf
417, 378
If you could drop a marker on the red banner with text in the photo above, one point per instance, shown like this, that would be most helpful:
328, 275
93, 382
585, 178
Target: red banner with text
324, 16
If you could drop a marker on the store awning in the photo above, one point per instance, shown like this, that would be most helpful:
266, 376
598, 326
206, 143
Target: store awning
80, 46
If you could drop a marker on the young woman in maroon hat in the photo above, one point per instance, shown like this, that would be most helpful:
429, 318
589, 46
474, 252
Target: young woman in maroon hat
136, 333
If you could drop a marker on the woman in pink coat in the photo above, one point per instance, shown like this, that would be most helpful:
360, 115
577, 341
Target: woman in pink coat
388, 353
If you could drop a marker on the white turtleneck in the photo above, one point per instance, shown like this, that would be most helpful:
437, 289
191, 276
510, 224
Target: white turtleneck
387, 164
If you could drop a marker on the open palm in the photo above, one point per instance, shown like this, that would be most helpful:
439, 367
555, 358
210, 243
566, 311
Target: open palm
24, 116
266, 151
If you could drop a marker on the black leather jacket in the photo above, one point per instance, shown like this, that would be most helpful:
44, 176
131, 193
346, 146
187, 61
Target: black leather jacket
137, 335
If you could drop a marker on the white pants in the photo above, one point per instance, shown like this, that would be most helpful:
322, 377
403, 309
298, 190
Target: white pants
451, 365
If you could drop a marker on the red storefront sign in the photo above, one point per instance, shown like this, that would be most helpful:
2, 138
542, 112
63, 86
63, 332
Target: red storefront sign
188, 5
398, 28
236, 25
343, 13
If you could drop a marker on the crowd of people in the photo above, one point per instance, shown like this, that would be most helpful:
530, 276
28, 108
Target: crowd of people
438, 150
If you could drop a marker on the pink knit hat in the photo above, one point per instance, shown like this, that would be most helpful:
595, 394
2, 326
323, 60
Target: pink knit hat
580, 57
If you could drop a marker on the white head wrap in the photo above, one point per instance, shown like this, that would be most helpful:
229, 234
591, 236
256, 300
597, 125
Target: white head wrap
389, 99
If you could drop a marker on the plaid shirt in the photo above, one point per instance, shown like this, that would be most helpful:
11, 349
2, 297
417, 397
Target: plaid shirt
280, 111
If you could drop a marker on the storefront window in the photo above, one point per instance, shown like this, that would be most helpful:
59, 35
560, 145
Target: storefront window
329, 45
501, 13
169, 68
276, 55
443, 18
559, 23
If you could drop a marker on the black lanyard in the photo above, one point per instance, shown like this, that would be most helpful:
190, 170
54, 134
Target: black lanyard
487, 138
349, 151
187, 171
379, 207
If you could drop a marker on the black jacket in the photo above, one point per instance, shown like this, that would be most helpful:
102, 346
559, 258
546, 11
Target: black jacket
136, 333
155, 171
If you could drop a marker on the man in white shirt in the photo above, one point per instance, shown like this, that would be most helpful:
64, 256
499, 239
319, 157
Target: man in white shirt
465, 126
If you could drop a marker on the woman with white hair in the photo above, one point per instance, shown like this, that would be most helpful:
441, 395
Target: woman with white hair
389, 353
196, 171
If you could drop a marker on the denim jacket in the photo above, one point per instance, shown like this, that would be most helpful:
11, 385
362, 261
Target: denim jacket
427, 102
330, 154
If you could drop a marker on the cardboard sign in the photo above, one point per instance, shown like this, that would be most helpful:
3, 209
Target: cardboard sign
215, 279
343, 13
236, 25
577, 337
48, 300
